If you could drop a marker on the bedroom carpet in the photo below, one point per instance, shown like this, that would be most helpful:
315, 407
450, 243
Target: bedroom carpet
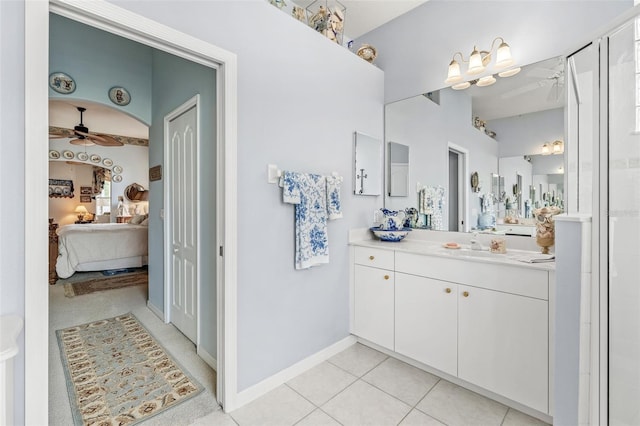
103, 283
117, 373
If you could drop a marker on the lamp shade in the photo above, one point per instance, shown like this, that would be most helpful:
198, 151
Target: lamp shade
545, 149
503, 57
486, 81
558, 147
81, 209
510, 73
475, 62
461, 86
453, 76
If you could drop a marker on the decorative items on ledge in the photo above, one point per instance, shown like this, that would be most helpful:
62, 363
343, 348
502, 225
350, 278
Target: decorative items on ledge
482, 126
478, 62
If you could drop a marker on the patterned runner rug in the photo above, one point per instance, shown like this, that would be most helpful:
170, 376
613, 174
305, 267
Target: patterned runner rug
105, 283
118, 374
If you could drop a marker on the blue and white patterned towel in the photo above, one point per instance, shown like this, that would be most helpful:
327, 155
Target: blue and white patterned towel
334, 208
309, 194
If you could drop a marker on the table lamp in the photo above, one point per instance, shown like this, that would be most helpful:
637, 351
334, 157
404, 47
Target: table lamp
81, 211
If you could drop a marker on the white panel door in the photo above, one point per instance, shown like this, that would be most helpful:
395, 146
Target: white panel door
503, 344
373, 305
426, 326
183, 206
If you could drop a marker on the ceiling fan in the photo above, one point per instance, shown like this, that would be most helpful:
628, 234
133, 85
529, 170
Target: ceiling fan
83, 137
546, 77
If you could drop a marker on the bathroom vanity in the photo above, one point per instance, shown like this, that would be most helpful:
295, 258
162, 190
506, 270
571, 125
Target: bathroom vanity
482, 319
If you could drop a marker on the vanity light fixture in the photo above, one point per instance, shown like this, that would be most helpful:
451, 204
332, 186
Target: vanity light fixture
546, 150
478, 62
558, 147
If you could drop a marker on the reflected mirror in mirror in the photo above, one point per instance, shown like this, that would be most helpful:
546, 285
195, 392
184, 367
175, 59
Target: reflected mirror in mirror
136, 192
398, 170
367, 173
514, 117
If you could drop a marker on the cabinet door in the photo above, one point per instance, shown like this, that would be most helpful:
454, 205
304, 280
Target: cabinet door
503, 344
373, 305
426, 321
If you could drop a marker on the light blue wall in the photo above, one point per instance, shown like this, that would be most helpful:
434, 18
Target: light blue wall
300, 98
175, 81
97, 61
415, 49
525, 134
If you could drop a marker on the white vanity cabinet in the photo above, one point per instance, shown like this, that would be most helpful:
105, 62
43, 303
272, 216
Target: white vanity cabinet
426, 321
373, 296
486, 323
503, 344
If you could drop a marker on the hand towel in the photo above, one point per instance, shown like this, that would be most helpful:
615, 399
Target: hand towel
309, 194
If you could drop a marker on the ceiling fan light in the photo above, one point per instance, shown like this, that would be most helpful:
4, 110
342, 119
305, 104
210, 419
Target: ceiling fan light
475, 62
510, 73
83, 142
486, 81
461, 86
503, 57
453, 76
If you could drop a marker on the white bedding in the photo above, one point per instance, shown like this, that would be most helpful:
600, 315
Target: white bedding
81, 246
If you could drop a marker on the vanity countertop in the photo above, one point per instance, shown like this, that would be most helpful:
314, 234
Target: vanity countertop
434, 248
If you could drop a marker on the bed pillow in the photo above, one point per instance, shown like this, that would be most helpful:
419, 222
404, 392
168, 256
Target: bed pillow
137, 219
145, 222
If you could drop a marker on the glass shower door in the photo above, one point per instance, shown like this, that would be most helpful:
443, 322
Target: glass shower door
624, 224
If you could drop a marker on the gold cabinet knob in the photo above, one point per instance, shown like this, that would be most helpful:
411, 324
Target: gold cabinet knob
447, 290
371, 257
386, 277
465, 293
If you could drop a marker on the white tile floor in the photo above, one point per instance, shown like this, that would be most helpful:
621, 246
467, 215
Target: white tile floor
361, 386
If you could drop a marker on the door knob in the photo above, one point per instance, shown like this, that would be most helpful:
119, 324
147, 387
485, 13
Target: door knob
175, 249
465, 293
447, 290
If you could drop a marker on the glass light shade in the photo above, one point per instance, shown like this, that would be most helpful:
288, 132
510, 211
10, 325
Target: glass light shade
461, 86
486, 81
454, 75
558, 147
509, 73
81, 209
545, 149
475, 62
503, 57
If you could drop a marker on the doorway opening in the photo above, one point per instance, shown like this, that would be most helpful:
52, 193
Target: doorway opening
457, 201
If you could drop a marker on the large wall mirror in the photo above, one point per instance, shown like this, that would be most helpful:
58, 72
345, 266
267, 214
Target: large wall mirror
507, 133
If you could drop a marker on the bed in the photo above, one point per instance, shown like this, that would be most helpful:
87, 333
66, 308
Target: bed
101, 246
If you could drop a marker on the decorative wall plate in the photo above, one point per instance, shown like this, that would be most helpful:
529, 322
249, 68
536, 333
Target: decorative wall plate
117, 169
62, 83
117, 178
54, 154
95, 158
69, 155
83, 156
107, 162
119, 96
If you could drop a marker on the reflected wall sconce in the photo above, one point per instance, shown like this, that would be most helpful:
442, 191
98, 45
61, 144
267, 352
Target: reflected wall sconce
557, 147
478, 62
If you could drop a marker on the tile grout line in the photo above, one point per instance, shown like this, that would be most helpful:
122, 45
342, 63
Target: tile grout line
317, 407
428, 414
505, 416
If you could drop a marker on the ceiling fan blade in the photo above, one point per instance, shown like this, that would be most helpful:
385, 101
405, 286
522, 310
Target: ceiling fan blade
83, 142
57, 136
105, 140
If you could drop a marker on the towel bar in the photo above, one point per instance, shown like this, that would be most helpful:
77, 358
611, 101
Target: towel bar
274, 173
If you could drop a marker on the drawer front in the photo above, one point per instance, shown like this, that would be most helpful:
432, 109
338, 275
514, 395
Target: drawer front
376, 258
505, 278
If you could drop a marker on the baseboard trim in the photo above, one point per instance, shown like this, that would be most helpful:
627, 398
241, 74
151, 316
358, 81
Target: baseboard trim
270, 383
153, 308
206, 357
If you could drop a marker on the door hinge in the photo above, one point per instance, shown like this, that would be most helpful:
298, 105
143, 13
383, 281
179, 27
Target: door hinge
221, 251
